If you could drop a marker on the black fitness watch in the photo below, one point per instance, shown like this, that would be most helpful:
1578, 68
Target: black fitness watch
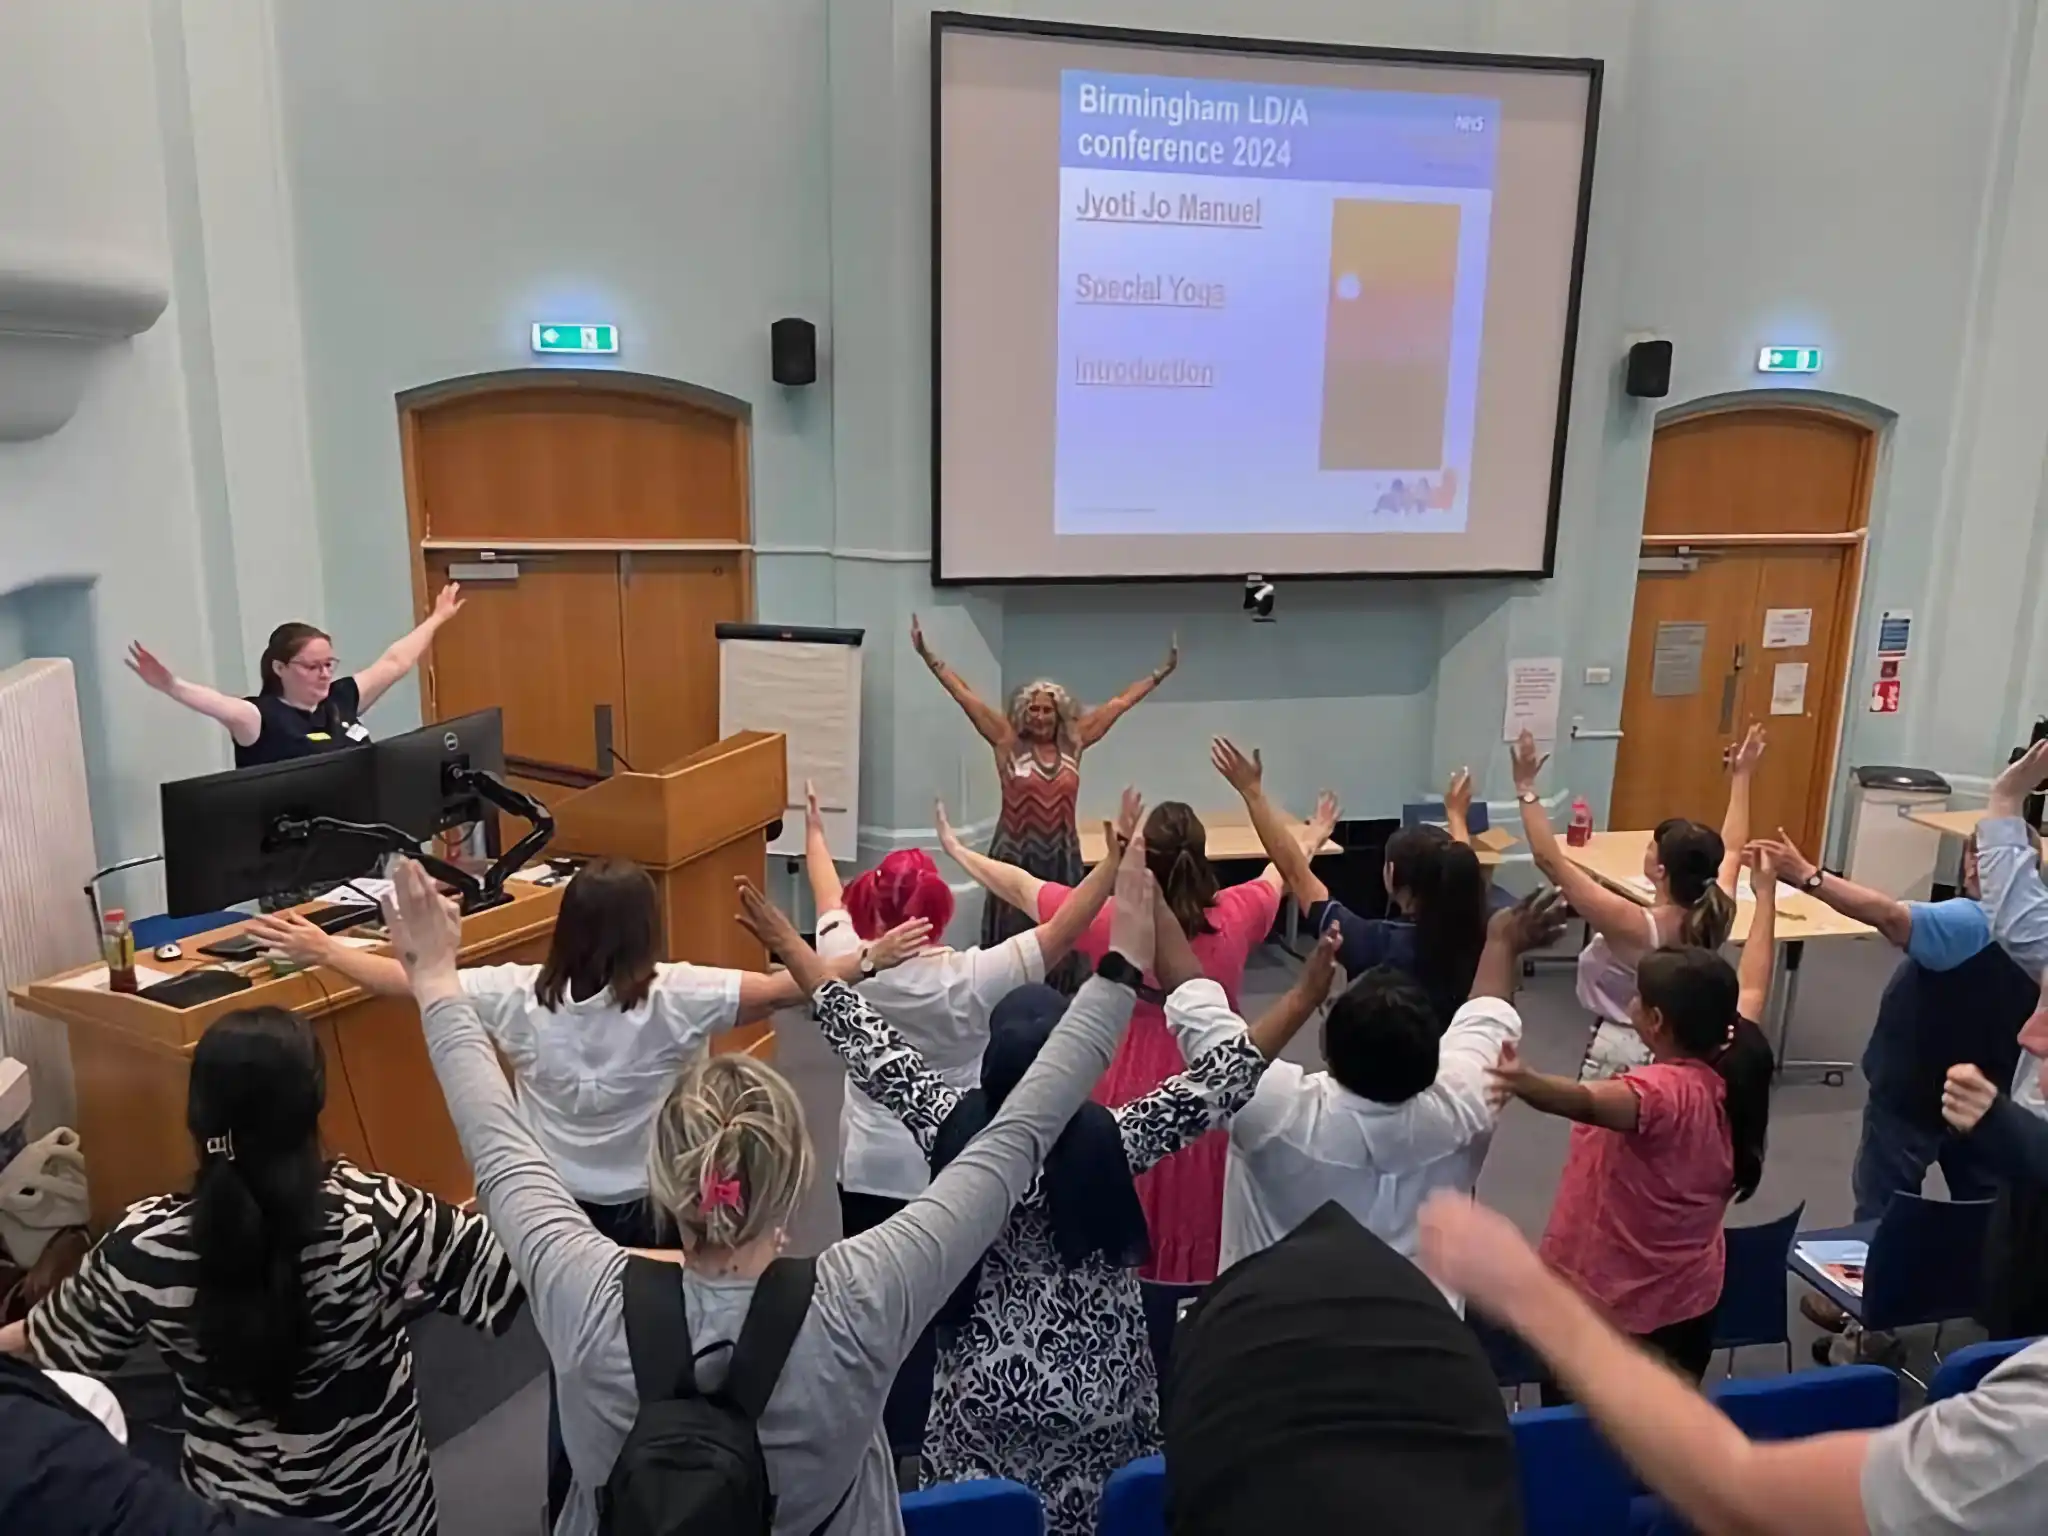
1114, 967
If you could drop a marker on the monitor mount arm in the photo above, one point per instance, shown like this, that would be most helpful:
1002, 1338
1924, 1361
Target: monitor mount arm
475, 892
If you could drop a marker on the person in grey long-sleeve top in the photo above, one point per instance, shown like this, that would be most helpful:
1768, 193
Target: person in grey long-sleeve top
827, 1462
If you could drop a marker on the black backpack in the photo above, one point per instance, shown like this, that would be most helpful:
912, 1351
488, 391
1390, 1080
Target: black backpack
692, 1463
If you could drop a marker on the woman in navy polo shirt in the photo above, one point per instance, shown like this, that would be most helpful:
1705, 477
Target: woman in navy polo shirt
301, 707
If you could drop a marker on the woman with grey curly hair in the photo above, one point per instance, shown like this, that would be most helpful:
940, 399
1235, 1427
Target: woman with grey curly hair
1038, 742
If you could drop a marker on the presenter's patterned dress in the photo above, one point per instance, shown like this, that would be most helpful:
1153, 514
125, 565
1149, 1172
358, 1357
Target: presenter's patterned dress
351, 1451
1037, 833
1051, 1381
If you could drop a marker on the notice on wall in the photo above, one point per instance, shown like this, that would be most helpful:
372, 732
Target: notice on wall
1894, 631
1675, 667
1786, 629
1535, 689
1788, 688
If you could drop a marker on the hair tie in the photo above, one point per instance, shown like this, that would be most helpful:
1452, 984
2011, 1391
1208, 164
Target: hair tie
718, 1194
221, 1146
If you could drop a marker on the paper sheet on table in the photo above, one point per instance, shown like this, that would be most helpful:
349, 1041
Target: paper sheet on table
1841, 1260
1745, 891
95, 980
357, 893
1535, 689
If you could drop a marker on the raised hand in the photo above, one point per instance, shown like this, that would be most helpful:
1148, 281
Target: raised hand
1243, 774
1966, 1097
1537, 920
917, 641
1321, 964
814, 819
149, 669
1458, 793
949, 840
907, 938
2019, 779
1762, 864
1130, 815
1172, 659
425, 928
1743, 756
1132, 933
1324, 821
1476, 1252
765, 921
1526, 761
1786, 862
448, 601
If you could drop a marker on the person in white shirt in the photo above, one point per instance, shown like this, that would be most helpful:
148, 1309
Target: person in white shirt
594, 1036
939, 999
1399, 1113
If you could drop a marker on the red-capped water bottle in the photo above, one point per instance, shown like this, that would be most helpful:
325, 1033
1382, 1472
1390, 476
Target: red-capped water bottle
1580, 832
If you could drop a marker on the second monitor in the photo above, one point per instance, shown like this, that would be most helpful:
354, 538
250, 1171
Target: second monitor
416, 792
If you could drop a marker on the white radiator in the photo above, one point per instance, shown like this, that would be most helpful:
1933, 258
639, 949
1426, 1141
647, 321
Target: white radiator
46, 857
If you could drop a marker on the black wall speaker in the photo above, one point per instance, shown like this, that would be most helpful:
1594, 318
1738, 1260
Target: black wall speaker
1649, 369
793, 352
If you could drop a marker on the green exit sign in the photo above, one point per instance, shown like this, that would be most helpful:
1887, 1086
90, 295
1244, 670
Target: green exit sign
561, 336
1788, 360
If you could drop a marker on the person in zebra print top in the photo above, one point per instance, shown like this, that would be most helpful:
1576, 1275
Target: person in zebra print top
278, 1292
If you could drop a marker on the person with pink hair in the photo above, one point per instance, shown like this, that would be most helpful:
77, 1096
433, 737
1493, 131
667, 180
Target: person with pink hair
1038, 742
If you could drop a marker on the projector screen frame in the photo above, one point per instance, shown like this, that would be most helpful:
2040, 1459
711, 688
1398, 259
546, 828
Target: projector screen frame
1593, 69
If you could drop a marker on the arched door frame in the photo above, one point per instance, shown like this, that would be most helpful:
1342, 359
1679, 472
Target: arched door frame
416, 403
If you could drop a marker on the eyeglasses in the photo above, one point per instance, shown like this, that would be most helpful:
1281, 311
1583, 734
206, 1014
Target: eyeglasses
315, 668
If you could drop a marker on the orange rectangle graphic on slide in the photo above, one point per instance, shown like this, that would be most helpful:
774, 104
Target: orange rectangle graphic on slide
1387, 356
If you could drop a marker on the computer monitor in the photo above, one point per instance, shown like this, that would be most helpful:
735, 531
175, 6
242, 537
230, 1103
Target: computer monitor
221, 843
413, 789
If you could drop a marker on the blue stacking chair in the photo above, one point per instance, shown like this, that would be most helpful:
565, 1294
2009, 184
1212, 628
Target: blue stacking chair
1787, 1408
1753, 1309
1134, 1500
1926, 1264
992, 1506
1572, 1482
1163, 1301
1961, 1371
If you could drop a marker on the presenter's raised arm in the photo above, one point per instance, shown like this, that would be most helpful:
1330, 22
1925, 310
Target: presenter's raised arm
993, 724
375, 680
238, 715
1094, 723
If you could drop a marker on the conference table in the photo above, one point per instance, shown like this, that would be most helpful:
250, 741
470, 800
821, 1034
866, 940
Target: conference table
1615, 859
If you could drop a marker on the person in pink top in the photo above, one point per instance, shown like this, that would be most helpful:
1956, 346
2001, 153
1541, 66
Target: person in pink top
1183, 1195
1659, 1151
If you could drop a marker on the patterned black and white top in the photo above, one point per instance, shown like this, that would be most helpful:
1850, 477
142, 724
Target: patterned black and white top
1051, 1382
352, 1452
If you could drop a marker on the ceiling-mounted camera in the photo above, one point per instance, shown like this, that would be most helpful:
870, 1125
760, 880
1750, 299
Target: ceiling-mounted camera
1258, 599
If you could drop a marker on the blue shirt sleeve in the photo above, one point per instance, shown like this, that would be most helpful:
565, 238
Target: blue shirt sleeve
2014, 898
1946, 933
1365, 942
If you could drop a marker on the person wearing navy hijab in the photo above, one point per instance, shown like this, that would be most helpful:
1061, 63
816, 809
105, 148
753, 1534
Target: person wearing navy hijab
1045, 1371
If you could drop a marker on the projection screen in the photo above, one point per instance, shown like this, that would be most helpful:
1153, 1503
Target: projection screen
1205, 307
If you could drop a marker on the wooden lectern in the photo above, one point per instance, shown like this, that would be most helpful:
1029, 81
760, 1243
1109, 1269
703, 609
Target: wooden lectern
131, 1058
695, 826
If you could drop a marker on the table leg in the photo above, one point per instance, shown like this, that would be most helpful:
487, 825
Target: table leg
1784, 996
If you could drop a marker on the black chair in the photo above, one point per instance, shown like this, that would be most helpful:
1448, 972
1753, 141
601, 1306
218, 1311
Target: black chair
1753, 1309
1163, 1303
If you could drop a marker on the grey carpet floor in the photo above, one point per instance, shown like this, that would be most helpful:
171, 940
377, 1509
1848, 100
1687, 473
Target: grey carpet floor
490, 1475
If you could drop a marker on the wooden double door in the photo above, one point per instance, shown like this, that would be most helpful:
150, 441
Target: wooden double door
599, 529
1744, 613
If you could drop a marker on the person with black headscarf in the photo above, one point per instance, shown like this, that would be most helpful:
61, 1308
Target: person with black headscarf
1045, 1375
1325, 1385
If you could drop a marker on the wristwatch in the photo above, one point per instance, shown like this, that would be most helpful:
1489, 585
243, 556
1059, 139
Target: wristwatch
1527, 796
1811, 884
867, 961
1114, 967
